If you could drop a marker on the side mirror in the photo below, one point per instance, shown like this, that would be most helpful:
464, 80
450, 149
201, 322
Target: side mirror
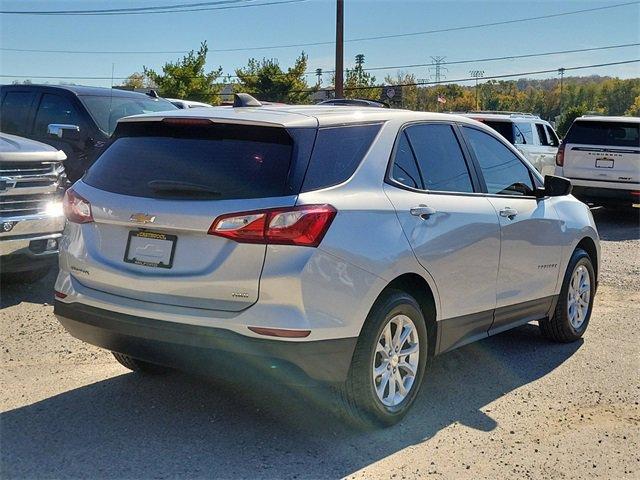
61, 129
554, 187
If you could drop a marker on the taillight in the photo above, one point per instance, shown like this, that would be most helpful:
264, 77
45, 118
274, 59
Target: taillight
304, 225
76, 208
560, 155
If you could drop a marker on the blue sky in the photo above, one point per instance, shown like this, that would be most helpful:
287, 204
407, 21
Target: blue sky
314, 20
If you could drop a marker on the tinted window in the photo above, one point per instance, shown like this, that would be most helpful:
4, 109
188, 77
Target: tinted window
523, 134
15, 112
106, 110
440, 158
613, 134
503, 171
542, 135
337, 153
55, 109
503, 128
405, 169
219, 162
553, 138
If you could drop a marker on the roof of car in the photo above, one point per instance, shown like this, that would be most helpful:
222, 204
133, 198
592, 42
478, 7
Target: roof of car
298, 115
604, 118
79, 90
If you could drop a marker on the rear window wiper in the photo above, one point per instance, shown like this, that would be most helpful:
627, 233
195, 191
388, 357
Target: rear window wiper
169, 186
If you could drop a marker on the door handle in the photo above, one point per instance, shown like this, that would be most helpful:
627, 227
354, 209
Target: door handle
508, 212
422, 211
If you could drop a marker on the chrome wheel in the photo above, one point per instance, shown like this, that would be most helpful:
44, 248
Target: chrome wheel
578, 296
395, 363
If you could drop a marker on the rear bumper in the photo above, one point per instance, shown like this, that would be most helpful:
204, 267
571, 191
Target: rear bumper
606, 195
207, 350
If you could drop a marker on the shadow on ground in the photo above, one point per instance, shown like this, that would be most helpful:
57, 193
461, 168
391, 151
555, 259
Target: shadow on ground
37, 292
617, 224
133, 426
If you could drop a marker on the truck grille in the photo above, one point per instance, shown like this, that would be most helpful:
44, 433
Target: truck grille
29, 187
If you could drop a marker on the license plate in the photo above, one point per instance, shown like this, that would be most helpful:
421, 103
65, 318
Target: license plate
604, 163
150, 249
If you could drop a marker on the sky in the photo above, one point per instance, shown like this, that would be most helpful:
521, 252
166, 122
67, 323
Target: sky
314, 21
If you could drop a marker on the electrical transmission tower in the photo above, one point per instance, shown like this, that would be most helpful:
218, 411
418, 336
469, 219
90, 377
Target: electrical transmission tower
438, 69
319, 75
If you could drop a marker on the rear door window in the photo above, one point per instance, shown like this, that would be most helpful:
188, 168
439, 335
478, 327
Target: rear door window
55, 109
219, 161
523, 133
503, 172
405, 169
440, 160
612, 134
14, 115
337, 153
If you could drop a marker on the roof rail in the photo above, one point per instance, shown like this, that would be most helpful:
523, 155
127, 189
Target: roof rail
503, 112
245, 100
358, 102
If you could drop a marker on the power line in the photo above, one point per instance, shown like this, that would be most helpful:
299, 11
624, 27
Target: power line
417, 84
315, 72
309, 44
202, 6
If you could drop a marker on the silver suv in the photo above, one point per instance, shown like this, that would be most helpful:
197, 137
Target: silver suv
350, 244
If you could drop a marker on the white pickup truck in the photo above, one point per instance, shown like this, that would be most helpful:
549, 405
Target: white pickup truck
601, 157
32, 183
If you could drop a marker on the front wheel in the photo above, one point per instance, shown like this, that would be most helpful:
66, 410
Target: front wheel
388, 363
575, 302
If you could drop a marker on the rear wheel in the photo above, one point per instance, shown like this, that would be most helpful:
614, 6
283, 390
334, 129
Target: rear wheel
388, 362
139, 365
573, 310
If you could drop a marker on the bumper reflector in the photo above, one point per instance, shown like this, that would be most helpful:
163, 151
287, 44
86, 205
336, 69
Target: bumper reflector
280, 332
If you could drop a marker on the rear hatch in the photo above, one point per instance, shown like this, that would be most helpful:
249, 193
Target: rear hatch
603, 151
154, 194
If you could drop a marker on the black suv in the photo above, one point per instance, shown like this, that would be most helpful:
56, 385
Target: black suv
77, 120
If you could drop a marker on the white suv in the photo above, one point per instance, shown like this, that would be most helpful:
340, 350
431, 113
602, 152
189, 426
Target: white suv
533, 137
348, 244
601, 156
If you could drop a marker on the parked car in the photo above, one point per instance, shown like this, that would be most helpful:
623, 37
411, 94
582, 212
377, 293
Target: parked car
77, 120
185, 104
32, 182
601, 156
533, 137
349, 244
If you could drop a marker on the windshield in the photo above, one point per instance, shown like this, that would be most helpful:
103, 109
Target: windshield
107, 110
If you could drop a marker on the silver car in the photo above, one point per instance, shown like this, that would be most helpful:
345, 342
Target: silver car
343, 244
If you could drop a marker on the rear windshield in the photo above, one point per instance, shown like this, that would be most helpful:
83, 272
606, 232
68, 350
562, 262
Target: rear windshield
503, 128
106, 110
219, 161
613, 134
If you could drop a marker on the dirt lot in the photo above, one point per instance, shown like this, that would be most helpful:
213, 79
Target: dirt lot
512, 406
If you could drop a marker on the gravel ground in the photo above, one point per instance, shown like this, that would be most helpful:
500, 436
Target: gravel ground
511, 406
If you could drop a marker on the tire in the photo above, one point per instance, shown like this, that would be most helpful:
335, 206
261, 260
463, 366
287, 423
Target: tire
139, 365
358, 395
29, 276
560, 327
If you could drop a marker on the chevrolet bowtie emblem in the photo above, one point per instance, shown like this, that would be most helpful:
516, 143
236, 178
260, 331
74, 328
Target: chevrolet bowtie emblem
142, 218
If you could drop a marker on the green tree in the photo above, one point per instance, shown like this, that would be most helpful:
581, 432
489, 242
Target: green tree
634, 110
137, 80
265, 80
567, 118
187, 79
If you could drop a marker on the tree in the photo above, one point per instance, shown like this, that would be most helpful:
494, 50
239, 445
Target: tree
187, 79
634, 110
265, 80
567, 118
138, 80
358, 82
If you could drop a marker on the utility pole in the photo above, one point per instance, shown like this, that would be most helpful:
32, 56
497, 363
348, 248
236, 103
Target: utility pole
561, 73
319, 75
477, 74
339, 81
